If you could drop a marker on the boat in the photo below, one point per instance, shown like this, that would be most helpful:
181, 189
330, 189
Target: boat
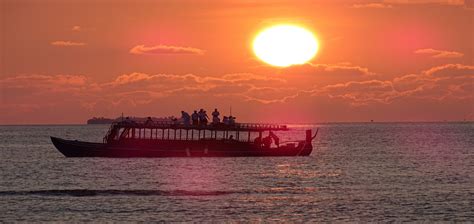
100, 120
127, 139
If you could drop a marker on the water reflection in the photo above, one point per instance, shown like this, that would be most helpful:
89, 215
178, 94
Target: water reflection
194, 175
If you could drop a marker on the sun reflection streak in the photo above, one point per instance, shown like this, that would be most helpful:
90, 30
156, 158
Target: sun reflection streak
202, 175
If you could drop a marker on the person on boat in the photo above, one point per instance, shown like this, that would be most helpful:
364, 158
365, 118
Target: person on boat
258, 141
231, 120
149, 121
195, 118
127, 120
186, 118
206, 118
275, 138
203, 118
267, 141
225, 120
174, 120
215, 117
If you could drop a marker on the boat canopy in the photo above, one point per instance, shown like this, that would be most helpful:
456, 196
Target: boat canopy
149, 130
252, 127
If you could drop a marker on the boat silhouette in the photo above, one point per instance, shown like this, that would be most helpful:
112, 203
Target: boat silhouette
171, 139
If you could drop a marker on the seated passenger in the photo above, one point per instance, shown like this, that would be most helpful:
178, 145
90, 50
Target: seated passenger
149, 121
258, 141
225, 120
174, 121
127, 120
267, 141
231, 120
275, 138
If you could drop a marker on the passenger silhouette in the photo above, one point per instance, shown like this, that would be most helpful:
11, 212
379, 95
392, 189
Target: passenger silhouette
225, 120
149, 121
267, 141
195, 118
215, 117
203, 118
186, 118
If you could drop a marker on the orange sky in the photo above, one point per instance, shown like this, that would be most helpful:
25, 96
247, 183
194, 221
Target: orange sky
396, 60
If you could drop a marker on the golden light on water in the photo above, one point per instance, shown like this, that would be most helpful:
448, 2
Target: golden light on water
285, 45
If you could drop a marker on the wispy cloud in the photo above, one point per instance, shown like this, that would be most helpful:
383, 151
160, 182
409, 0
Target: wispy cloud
439, 53
442, 2
62, 43
450, 81
372, 5
165, 49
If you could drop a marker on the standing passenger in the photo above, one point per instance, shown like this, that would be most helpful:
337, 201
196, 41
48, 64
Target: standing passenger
202, 117
195, 118
186, 118
206, 118
215, 117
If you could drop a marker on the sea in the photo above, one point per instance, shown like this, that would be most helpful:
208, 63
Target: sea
357, 172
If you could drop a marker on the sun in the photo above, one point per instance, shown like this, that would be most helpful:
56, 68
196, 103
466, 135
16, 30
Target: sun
285, 45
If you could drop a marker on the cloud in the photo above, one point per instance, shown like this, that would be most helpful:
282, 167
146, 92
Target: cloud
50, 96
76, 28
362, 93
329, 69
450, 81
324, 74
26, 81
450, 70
439, 53
372, 5
466, 4
165, 49
442, 2
61, 43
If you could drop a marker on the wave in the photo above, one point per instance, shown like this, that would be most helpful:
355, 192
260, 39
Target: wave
91, 193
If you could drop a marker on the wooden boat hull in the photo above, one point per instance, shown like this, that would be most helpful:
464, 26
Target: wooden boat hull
176, 148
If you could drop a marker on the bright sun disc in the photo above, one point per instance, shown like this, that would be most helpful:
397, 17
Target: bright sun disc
285, 45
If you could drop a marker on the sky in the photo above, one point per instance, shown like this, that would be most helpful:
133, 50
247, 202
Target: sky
63, 62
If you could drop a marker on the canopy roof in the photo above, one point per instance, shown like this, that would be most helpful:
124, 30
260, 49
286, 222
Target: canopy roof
224, 127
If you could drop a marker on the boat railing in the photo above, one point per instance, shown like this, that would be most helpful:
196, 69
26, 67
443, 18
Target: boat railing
218, 126
260, 126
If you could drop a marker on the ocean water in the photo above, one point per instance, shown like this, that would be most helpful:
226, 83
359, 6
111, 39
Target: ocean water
358, 172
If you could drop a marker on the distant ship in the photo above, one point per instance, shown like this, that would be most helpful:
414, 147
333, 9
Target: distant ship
103, 120
173, 139
100, 120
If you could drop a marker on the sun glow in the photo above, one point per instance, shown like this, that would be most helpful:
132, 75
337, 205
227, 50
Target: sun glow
285, 45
